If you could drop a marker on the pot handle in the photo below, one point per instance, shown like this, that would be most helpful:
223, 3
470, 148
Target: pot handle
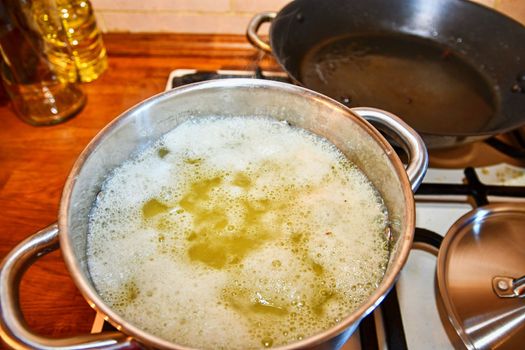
254, 25
405, 136
14, 329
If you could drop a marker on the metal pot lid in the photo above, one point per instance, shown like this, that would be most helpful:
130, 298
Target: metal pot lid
480, 269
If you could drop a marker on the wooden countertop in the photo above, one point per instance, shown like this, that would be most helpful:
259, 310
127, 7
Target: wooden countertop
35, 161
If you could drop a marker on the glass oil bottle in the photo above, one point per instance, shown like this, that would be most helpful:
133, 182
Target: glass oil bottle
39, 79
82, 33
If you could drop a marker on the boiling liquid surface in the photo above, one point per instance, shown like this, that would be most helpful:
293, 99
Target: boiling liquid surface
237, 233
431, 87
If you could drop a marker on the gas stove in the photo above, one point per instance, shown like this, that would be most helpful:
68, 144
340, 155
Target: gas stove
457, 181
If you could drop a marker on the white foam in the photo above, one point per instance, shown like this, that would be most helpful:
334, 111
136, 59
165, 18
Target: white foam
237, 233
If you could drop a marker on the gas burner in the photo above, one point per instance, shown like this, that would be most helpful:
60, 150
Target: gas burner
507, 148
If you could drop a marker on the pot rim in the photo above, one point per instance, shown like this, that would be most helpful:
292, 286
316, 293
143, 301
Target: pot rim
96, 302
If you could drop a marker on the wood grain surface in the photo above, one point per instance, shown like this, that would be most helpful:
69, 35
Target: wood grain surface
35, 161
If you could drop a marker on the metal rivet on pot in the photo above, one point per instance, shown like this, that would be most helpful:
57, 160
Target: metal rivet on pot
519, 87
346, 100
502, 285
520, 83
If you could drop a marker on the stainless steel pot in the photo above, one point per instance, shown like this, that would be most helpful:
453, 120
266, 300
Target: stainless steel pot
146, 122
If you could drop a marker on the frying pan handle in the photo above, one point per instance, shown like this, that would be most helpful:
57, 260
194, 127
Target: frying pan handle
13, 328
405, 136
253, 28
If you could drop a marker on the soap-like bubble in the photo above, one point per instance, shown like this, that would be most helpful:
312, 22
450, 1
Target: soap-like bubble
237, 233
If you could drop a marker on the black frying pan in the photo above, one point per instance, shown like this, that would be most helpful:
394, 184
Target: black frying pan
453, 69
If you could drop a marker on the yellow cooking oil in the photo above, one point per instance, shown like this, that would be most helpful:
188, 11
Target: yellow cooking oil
82, 36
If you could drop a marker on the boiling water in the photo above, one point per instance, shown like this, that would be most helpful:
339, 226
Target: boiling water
237, 233
427, 85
